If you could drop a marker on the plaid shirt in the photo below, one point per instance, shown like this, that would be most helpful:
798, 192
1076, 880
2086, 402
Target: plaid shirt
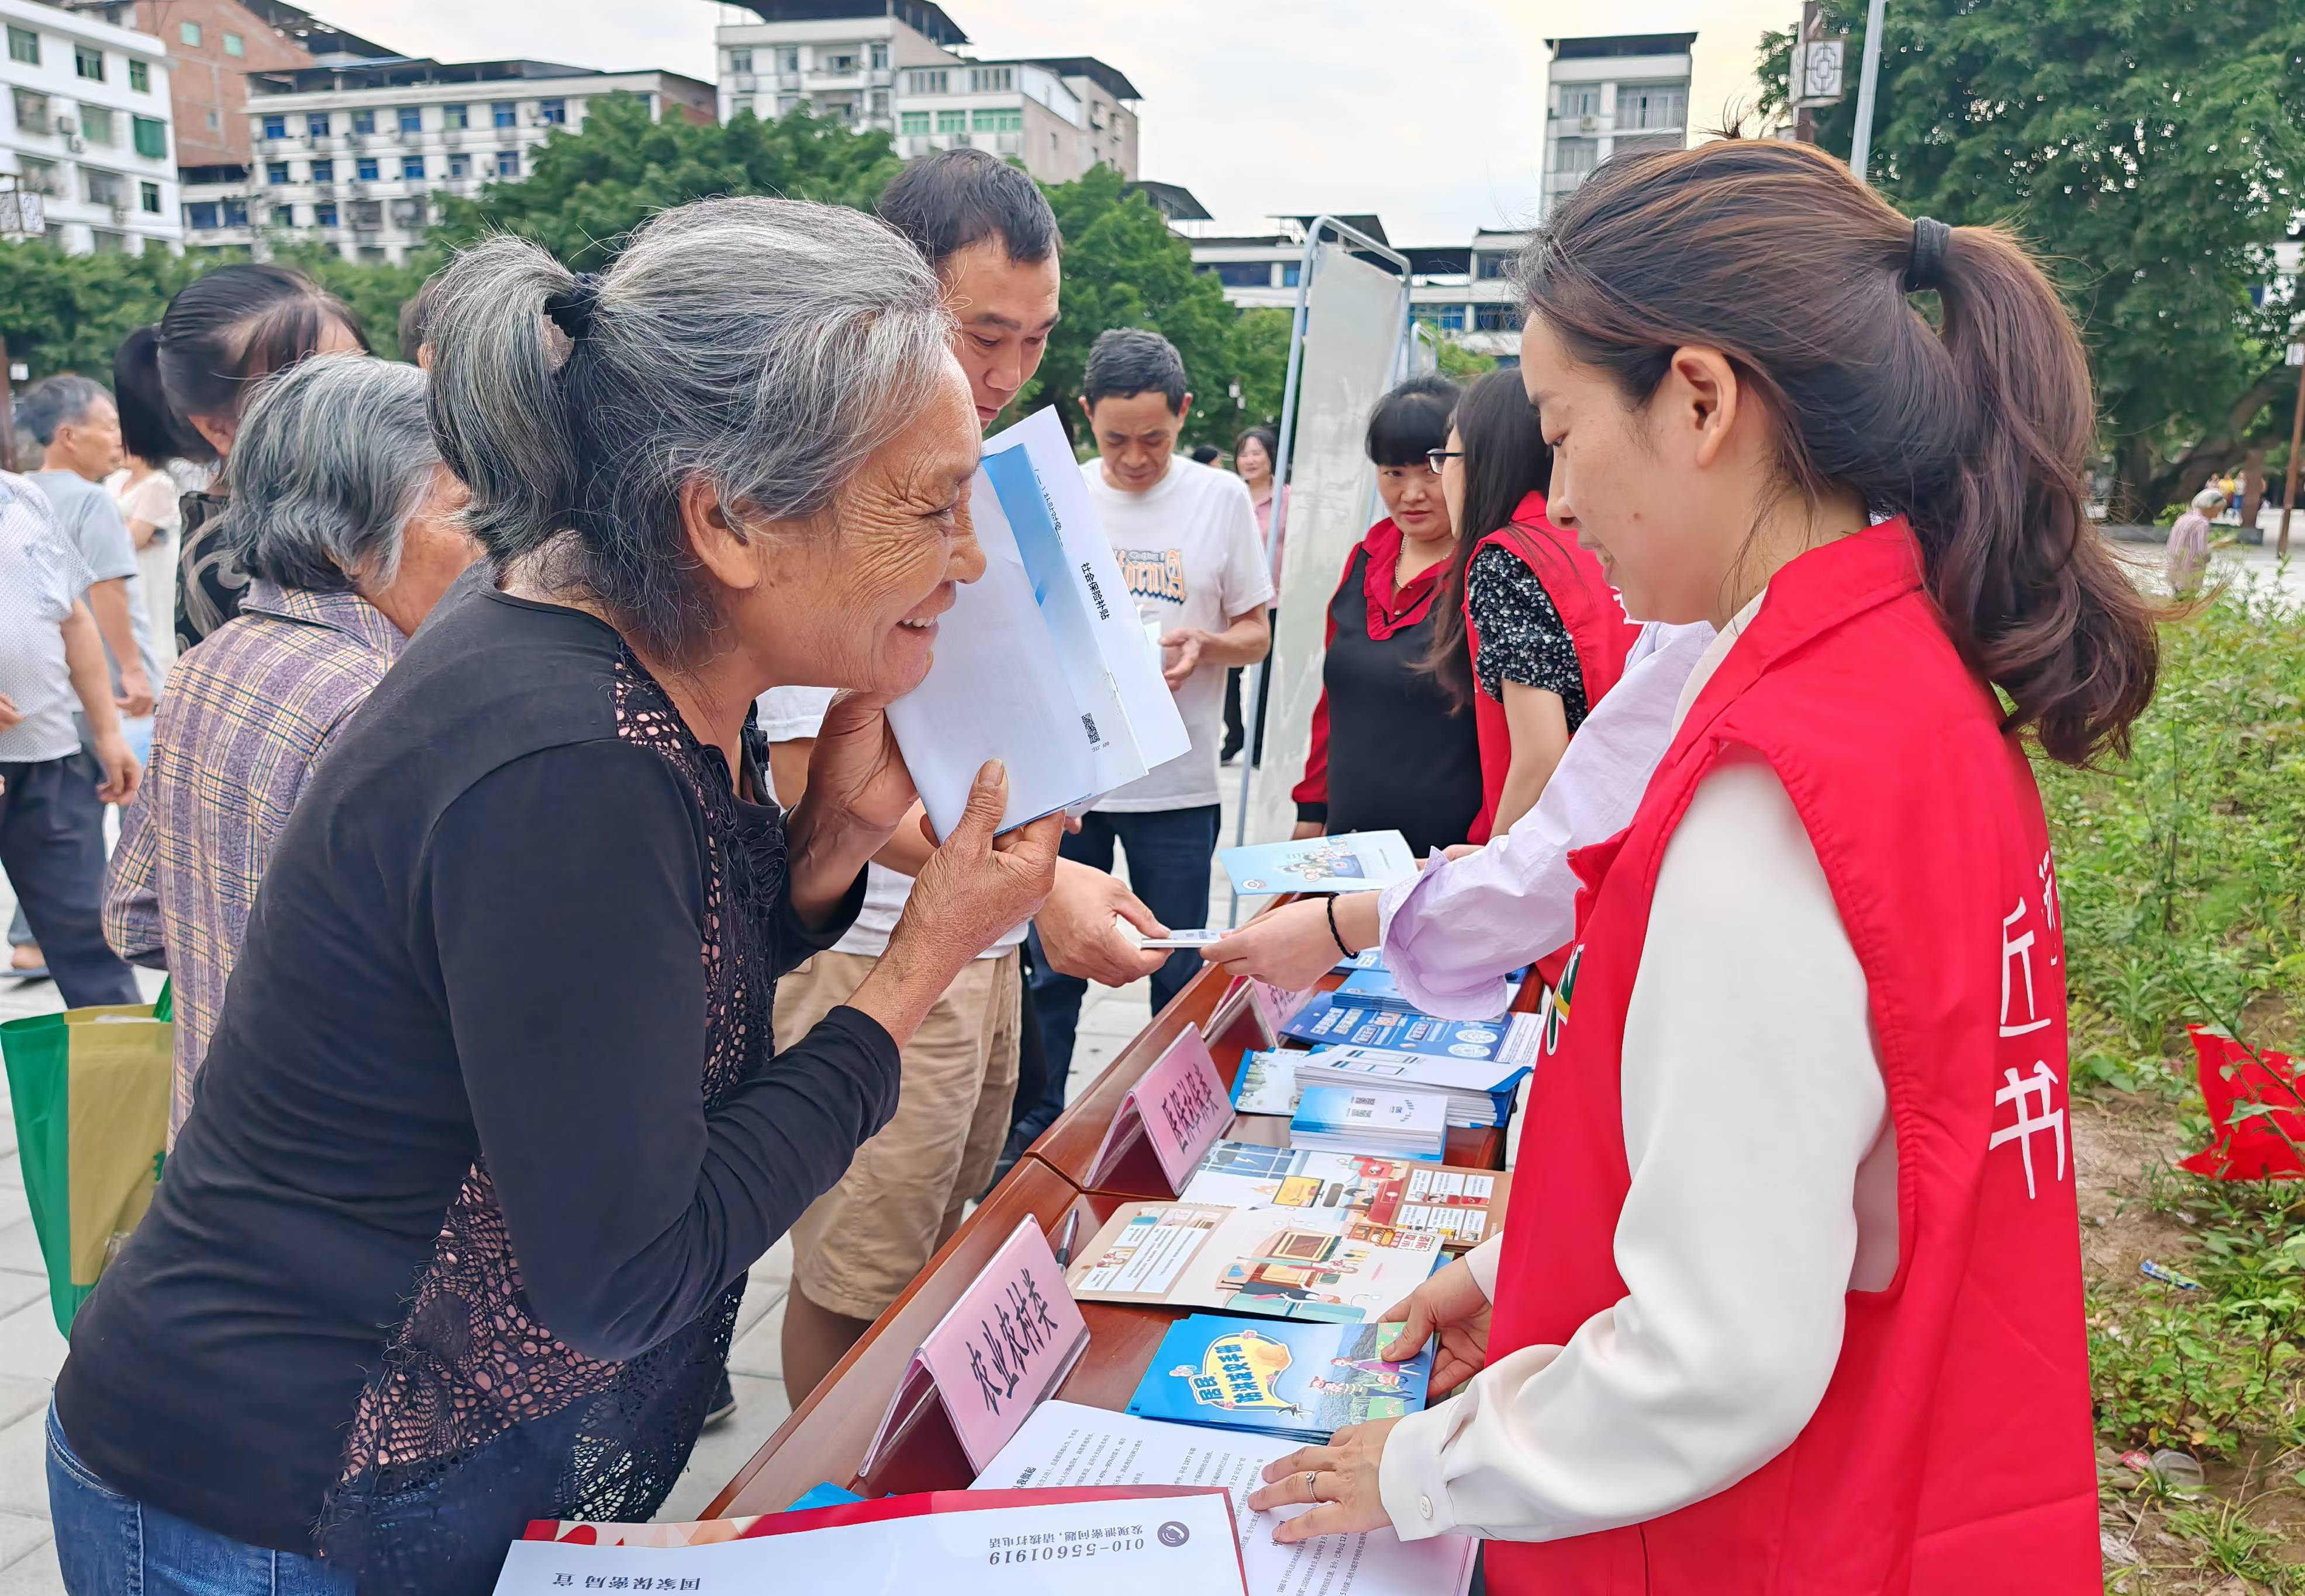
246, 717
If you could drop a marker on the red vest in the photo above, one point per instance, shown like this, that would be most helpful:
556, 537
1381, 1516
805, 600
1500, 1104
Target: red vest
1951, 1454
1573, 580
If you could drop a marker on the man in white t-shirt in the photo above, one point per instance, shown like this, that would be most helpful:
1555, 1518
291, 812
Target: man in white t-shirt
1187, 540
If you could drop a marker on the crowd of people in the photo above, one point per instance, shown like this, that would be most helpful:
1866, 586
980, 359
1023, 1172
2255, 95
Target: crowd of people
505, 787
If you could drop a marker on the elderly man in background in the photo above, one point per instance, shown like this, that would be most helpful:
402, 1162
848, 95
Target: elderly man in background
52, 784
344, 517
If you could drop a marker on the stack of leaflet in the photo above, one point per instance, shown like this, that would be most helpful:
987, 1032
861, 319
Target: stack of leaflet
1373, 985
1278, 1378
1359, 1118
1474, 1065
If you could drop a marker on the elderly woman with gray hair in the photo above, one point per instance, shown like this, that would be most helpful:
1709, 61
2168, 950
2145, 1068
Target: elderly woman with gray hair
492, 1125
343, 518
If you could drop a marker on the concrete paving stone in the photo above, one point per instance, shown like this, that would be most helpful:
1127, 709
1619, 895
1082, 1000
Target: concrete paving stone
775, 1266
19, 1250
24, 1464
35, 1574
761, 1407
13, 1207
759, 1351
19, 1532
29, 1346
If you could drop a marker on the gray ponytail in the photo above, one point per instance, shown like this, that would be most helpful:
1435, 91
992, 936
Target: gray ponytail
767, 346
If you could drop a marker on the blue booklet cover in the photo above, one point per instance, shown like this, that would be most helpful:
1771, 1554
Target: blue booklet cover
1332, 1019
1278, 1377
1357, 861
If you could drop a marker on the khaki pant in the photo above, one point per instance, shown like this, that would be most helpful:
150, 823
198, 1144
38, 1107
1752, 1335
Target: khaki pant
861, 1243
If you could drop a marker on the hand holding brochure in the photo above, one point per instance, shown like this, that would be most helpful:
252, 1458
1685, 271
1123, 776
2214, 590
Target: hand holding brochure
1358, 862
1039, 663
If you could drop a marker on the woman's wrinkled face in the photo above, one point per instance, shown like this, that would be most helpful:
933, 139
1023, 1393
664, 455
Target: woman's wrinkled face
855, 601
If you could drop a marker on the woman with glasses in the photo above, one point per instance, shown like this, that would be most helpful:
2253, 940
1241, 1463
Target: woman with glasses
1542, 632
1392, 746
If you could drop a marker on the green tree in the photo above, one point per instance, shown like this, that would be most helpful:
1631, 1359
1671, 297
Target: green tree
1124, 267
62, 312
2154, 152
1459, 364
587, 189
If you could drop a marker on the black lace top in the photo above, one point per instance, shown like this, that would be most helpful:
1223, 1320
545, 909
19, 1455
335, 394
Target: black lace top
489, 1132
1522, 637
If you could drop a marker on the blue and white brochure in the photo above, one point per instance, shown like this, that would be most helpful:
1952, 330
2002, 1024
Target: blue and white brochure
1041, 662
1358, 861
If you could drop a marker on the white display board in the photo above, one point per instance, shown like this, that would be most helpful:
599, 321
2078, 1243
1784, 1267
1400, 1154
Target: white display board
1353, 324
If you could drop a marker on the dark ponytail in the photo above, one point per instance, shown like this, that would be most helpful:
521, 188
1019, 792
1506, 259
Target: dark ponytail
147, 429
1506, 460
1978, 435
228, 330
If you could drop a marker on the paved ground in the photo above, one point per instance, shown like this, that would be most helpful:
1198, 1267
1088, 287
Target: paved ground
31, 1350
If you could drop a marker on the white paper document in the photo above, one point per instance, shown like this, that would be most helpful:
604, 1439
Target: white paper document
1065, 1444
1041, 662
1155, 1547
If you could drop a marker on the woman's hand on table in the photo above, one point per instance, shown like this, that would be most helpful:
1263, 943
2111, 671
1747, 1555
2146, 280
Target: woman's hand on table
1291, 945
1451, 1311
1342, 1477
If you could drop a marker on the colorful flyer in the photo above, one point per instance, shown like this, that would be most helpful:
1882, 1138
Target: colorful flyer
1307, 1381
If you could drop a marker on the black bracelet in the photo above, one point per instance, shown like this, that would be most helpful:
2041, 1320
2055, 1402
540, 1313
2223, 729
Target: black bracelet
1334, 935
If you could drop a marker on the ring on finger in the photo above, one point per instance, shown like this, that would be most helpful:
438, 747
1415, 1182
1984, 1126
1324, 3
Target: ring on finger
1312, 1484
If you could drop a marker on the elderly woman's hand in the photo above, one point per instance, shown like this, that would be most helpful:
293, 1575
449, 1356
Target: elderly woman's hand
856, 772
973, 888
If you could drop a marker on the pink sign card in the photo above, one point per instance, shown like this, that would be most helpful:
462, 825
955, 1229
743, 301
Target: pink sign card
1009, 1342
1180, 1105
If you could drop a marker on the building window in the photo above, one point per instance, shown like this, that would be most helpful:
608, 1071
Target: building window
412, 119
1490, 267
96, 125
324, 172
880, 58
235, 213
552, 113
1442, 318
147, 196
316, 125
928, 82
786, 103
101, 188
1651, 105
363, 121
740, 106
37, 177
1244, 274
1571, 156
408, 214
89, 62
740, 61
504, 114
1010, 120
283, 215
952, 121
460, 166
1289, 272
32, 111
151, 135
1496, 319
368, 215
789, 59
880, 102
365, 169
189, 33
232, 45
1644, 144
215, 120
275, 172
275, 127
840, 65
412, 166
324, 215
140, 76
107, 244
23, 45
1573, 101
912, 124
507, 163
454, 117
991, 79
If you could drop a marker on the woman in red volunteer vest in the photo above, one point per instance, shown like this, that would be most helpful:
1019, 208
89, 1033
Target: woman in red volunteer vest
1546, 635
1788, 1297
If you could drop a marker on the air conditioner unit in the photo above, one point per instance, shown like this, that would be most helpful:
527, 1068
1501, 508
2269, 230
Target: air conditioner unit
1588, 125
67, 125
119, 213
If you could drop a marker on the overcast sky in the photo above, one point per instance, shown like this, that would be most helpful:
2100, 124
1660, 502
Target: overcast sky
1425, 111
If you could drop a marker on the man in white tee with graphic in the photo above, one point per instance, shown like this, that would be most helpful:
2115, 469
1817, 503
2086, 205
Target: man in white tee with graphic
1186, 538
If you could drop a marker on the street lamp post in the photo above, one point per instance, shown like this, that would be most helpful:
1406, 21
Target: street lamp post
1860, 150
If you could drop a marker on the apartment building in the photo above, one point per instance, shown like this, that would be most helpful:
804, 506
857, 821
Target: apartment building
88, 128
902, 67
1462, 293
1612, 95
357, 155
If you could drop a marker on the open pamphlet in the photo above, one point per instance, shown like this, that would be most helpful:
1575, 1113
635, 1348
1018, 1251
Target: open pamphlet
1041, 662
1461, 1207
1064, 1444
1135, 1540
1256, 1261
1358, 861
1306, 1380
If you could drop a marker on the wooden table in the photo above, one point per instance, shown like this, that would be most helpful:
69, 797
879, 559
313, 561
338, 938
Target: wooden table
826, 1438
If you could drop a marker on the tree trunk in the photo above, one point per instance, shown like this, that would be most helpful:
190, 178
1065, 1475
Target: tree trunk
2133, 485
